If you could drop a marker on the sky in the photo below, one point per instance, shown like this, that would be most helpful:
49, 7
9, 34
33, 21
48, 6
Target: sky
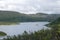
31, 6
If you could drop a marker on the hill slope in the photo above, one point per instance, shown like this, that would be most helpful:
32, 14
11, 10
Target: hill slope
16, 16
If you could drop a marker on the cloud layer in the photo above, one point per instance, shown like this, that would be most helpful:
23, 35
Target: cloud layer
31, 6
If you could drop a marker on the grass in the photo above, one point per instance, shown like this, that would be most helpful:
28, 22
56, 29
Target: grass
8, 23
2, 33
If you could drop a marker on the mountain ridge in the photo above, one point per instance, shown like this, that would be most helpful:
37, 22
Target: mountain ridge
16, 16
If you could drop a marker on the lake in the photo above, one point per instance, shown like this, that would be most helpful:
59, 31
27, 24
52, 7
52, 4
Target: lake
22, 26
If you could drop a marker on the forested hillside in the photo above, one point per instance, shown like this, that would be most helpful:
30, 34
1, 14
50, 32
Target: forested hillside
10, 16
16, 16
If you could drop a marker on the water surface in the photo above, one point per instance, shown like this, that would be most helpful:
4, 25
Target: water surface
23, 26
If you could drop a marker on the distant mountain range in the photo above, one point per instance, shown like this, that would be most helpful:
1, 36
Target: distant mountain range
12, 16
47, 17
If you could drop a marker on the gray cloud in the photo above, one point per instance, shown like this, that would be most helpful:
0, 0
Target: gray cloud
31, 6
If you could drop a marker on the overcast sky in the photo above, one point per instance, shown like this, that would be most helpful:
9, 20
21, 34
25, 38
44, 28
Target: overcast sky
31, 6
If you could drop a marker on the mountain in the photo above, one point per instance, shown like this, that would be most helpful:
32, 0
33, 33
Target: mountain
13, 16
52, 17
46, 17
16, 16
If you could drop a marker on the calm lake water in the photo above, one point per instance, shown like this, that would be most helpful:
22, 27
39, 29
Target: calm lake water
23, 26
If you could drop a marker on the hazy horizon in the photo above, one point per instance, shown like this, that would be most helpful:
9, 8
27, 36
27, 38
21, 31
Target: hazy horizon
31, 6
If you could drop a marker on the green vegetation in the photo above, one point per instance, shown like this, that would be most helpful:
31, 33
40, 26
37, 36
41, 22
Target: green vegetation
12, 16
2, 33
44, 34
8, 23
54, 23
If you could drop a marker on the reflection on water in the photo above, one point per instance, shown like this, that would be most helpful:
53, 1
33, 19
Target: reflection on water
24, 26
